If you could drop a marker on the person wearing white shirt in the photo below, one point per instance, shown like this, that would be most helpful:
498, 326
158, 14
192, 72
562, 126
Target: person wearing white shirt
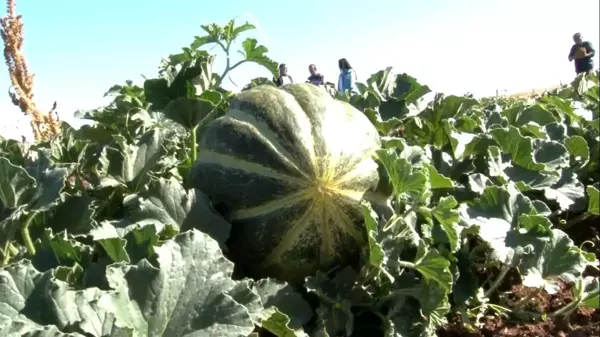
283, 78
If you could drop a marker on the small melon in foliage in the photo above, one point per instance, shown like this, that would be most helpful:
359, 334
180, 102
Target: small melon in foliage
290, 166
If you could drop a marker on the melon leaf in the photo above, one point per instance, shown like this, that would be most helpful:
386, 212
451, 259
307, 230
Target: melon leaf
128, 165
191, 292
555, 257
189, 112
168, 202
30, 301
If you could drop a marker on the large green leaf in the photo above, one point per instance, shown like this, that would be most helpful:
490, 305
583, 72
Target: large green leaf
61, 249
394, 92
189, 293
126, 115
532, 154
553, 258
130, 165
189, 112
166, 201
39, 193
496, 213
535, 113
406, 181
568, 192
26, 192
31, 301
16, 185
253, 52
73, 213
447, 216
15, 151
280, 295
434, 267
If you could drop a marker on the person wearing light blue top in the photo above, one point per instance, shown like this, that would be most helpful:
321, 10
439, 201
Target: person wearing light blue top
347, 79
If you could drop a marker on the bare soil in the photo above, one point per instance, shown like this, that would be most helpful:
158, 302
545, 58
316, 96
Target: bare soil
582, 323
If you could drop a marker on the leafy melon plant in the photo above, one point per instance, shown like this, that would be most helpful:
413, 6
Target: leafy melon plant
104, 230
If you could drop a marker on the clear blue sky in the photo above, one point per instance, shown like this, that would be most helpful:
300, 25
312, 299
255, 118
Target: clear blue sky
78, 49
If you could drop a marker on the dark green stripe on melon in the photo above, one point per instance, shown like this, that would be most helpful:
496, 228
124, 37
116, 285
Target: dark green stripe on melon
291, 165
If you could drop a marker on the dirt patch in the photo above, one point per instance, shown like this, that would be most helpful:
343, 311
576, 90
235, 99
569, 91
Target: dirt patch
584, 322
581, 323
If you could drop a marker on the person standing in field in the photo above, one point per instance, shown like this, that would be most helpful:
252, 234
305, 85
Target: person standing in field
315, 78
582, 53
283, 78
347, 78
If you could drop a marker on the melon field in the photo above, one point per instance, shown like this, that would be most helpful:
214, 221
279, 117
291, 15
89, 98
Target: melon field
184, 209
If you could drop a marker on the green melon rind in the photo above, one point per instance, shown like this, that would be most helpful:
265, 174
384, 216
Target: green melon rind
266, 154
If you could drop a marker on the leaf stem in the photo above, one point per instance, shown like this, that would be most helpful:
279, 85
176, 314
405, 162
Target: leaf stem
569, 308
566, 310
194, 144
228, 69
228, 61
7, 251
405, 264
228, 66
6, 254
26, 236
14, 251
505, 269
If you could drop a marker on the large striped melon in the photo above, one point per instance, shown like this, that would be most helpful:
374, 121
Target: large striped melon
290, 166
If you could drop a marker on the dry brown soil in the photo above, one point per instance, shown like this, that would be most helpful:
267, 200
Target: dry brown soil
582, 323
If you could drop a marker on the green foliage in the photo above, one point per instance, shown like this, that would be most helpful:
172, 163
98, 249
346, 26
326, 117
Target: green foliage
100, 238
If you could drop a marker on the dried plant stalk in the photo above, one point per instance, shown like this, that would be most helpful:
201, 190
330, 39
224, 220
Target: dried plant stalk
43, 124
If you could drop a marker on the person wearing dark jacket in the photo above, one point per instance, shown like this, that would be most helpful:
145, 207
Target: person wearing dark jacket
315, 78
582, 53
283, 78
